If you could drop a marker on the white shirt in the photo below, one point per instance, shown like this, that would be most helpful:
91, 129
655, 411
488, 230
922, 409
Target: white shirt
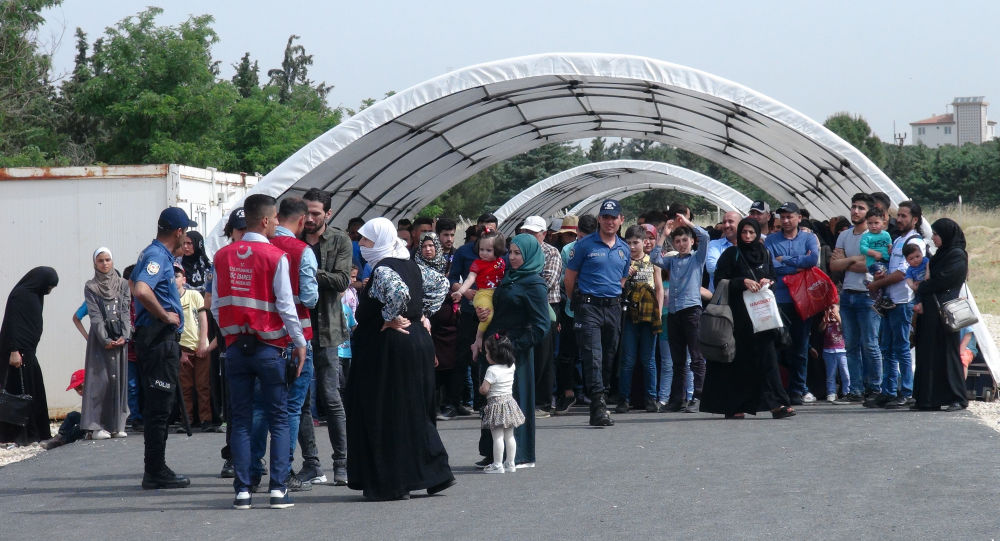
283, 298
501, 378
900, 292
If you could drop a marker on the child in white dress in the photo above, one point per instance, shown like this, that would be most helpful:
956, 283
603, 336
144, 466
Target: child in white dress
501, 414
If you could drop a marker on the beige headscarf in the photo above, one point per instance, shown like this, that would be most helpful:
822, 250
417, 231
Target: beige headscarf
105, 284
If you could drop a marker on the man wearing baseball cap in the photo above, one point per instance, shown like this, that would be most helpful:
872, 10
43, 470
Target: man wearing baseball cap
761, 211
595, 274
552, 270
69, 430
158, 328
793, 250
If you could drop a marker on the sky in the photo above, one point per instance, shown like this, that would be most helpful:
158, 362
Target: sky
888, 61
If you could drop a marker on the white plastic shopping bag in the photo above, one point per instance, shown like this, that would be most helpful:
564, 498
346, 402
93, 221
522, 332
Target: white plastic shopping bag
762, 309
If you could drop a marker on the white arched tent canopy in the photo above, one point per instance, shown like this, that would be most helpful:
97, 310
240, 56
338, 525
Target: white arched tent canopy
396, 156
590, 204
563, 189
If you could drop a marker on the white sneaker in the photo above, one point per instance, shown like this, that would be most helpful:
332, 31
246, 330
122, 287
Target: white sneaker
808, 398
242, 500
831, 398
525, 465
119, 435
509, 468
100, 435
496, 467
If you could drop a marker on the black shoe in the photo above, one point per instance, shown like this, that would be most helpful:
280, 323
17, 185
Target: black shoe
164, 479
464, 411
313, 474
895, 403
297, 485
242, 503
228, 472
282, 501
440, 486
622, 406
52, 443
955, 406
481, 465
910, 401
340, 473
795, 399
599, 415
879, 401
563, 403
849, 398
447, 413
651, 406
674, 407
692, 406
263, 467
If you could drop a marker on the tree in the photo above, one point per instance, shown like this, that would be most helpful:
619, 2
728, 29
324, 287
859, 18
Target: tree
246, 79
856, 131
294, 71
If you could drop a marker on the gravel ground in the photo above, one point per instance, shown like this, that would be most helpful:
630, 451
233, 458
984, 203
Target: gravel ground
987, 412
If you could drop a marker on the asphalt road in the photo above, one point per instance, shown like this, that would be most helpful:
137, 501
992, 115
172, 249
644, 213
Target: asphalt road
831, 472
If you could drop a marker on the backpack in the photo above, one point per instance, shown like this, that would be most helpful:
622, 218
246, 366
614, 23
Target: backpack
715, 333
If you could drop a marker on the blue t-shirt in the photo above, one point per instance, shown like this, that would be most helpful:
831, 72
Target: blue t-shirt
344, 349
600, 268
155, 268
919, 272
81, 311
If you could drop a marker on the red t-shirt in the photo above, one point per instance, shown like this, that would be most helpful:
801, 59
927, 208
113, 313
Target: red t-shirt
488, 273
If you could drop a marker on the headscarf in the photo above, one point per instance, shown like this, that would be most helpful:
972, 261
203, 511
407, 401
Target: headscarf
437, 262
952, 238
105, 284
387, 242
22, 320
534, 259
754, 253
197, 265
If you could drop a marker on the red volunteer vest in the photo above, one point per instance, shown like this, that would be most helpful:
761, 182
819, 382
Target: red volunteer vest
244, 283
294, 248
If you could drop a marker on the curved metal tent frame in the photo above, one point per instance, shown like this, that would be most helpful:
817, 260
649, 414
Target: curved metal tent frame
563, 189
396, 156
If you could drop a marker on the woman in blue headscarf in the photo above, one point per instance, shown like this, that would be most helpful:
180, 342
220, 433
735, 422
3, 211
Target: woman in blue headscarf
522, 314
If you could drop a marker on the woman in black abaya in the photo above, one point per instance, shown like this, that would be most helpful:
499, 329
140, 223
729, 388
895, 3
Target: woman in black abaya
393, 446
197, 266
751, 382
939, 379
19, 336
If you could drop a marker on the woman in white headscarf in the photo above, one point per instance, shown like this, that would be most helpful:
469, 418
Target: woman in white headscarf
393, 446
105, 397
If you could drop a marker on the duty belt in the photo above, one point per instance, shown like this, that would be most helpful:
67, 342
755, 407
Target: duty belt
598, 301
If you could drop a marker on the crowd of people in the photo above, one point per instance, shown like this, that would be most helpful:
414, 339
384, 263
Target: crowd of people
381, 331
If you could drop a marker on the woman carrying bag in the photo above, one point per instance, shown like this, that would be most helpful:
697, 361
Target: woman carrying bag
20, 372
751, 382
939, 379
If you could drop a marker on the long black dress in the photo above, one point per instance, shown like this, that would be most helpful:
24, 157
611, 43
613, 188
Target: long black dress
393, 446
21, 331
939, 377
752, 382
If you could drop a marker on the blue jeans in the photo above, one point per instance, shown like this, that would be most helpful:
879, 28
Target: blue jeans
267, 367
134, 412
861, 329
836, 361
897, 365
296, 397
638, 340
796, 356
667, 371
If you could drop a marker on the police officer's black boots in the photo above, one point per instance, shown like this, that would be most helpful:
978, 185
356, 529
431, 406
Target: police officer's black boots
599, 415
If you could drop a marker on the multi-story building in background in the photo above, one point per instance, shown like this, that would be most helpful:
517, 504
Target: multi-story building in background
967, 123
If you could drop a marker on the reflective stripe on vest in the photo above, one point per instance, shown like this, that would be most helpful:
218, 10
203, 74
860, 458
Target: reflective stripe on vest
244, 283
294, 248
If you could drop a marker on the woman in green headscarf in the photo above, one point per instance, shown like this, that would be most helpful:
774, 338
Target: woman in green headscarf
522, 314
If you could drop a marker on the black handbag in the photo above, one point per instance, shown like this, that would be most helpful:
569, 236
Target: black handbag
15, 409
113, 327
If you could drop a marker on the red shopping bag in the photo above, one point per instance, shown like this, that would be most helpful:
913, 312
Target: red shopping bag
812, 291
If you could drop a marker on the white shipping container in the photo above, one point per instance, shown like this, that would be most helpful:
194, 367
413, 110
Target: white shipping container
57, 217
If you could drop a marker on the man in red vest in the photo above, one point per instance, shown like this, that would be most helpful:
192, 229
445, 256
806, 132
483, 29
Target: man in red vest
253, 302
302, 274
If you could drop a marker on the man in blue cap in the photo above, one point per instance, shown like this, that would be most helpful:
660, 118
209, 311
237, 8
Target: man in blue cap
158, 329
596, 271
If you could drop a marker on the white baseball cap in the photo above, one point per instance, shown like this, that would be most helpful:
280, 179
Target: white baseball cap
535, 224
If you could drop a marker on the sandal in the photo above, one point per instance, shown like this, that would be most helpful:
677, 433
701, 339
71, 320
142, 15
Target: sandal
782, 412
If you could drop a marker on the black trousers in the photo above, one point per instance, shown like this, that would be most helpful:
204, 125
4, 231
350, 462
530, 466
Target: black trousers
545, 372
455, 389
682, 328
598, 327
159, 355
567, 358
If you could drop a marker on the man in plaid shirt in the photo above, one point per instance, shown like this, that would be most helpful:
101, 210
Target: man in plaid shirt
545, 368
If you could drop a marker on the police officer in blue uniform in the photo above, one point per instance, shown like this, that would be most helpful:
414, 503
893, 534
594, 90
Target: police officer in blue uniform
158, 328
595, 274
